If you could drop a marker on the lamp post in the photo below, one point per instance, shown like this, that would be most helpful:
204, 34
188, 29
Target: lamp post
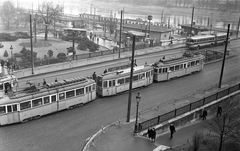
138, 99
134, 35
149, 18
11, 52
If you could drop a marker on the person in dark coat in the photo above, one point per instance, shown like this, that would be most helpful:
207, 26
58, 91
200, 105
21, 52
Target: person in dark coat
44, 82
149, 132
56, 80
94, 76
105, 71
2, 63
153, 134
219, 111
172, 130
204, 115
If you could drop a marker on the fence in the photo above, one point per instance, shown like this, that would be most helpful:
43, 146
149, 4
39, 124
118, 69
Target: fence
172, 114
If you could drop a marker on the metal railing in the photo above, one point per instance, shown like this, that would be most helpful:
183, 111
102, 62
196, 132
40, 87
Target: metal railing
172, 114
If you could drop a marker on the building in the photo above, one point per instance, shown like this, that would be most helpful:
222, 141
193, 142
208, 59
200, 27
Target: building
157, 33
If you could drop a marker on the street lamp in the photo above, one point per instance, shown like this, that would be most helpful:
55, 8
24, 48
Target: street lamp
149, 18
138, 99
134, 35
11, 52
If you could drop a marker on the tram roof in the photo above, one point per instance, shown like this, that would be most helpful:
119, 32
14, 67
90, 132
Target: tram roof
201, 36
46, 90
178, 60
75, 29
125, 72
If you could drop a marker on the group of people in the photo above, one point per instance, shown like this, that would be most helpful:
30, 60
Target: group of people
205, 113
9, 65
151, 134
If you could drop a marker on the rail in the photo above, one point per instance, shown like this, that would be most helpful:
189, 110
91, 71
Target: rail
172, 114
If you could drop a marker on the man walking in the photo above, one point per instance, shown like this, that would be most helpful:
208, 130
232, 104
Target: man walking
153, 134
204, 115
172, 130
219, 111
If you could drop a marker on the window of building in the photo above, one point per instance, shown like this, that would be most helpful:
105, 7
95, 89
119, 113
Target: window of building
61, 96
2, 109
70, 94
53, 98
46, 100
25, 105
37, 102
80, 91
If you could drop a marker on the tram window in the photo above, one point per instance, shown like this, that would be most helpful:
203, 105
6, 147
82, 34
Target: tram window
46, 100
53, 98
197, 62
171, 68
155, 70
142, 76
104, 84
188, 64
37, 102
14, 107
181, 66
80, 91
2, 109
148, 74
1, 86
127, 80
177, 67
61, 96
89, 88
135, 78
9, 108
121, 81
113, 82
70, 94
160, 70
25, 105
110, 83
192, 63
151, 72
86, 89
93, 86
184, 65
99, 81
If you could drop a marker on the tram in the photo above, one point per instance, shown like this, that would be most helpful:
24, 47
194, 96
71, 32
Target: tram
167, 70
198, 41
116, 82
36, 101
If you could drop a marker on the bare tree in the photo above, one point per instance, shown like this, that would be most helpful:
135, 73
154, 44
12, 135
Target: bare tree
225, 126
7, 13
48, 13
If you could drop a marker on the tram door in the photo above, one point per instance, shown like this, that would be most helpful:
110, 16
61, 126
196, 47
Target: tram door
112, 87
148, 80
13, 115
88, 93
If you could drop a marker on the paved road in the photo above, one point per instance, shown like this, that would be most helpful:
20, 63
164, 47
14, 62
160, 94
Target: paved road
67, 130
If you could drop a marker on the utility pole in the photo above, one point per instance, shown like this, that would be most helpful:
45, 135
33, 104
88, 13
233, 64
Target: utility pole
162, 17
238, 27
191, 22
31, 43
224, 56
120, 35
35, 29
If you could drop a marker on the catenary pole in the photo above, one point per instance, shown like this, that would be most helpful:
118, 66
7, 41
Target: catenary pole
120, 36
224, 56
192, 22
31, 42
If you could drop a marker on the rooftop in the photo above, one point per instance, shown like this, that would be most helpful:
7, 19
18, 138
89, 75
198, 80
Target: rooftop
144, 27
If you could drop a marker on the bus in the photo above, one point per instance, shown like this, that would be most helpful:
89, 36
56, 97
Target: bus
167, 70
116, 82
35, 101
199, 41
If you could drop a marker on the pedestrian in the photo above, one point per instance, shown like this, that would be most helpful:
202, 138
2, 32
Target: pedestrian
105, 71
56, 80
135, 62
172, 130
149, 132
2, 63
204, 115
94, 76
8, 64
97, 40
44, 82
219, 111
153, 134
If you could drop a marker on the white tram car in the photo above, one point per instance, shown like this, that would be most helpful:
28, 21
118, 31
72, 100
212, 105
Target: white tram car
118, 81
34, 102
178, 67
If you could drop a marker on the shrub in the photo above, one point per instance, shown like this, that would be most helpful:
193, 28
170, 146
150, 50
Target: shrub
7, 37
5, 53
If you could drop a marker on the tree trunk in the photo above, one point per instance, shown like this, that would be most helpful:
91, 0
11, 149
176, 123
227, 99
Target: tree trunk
46, 32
